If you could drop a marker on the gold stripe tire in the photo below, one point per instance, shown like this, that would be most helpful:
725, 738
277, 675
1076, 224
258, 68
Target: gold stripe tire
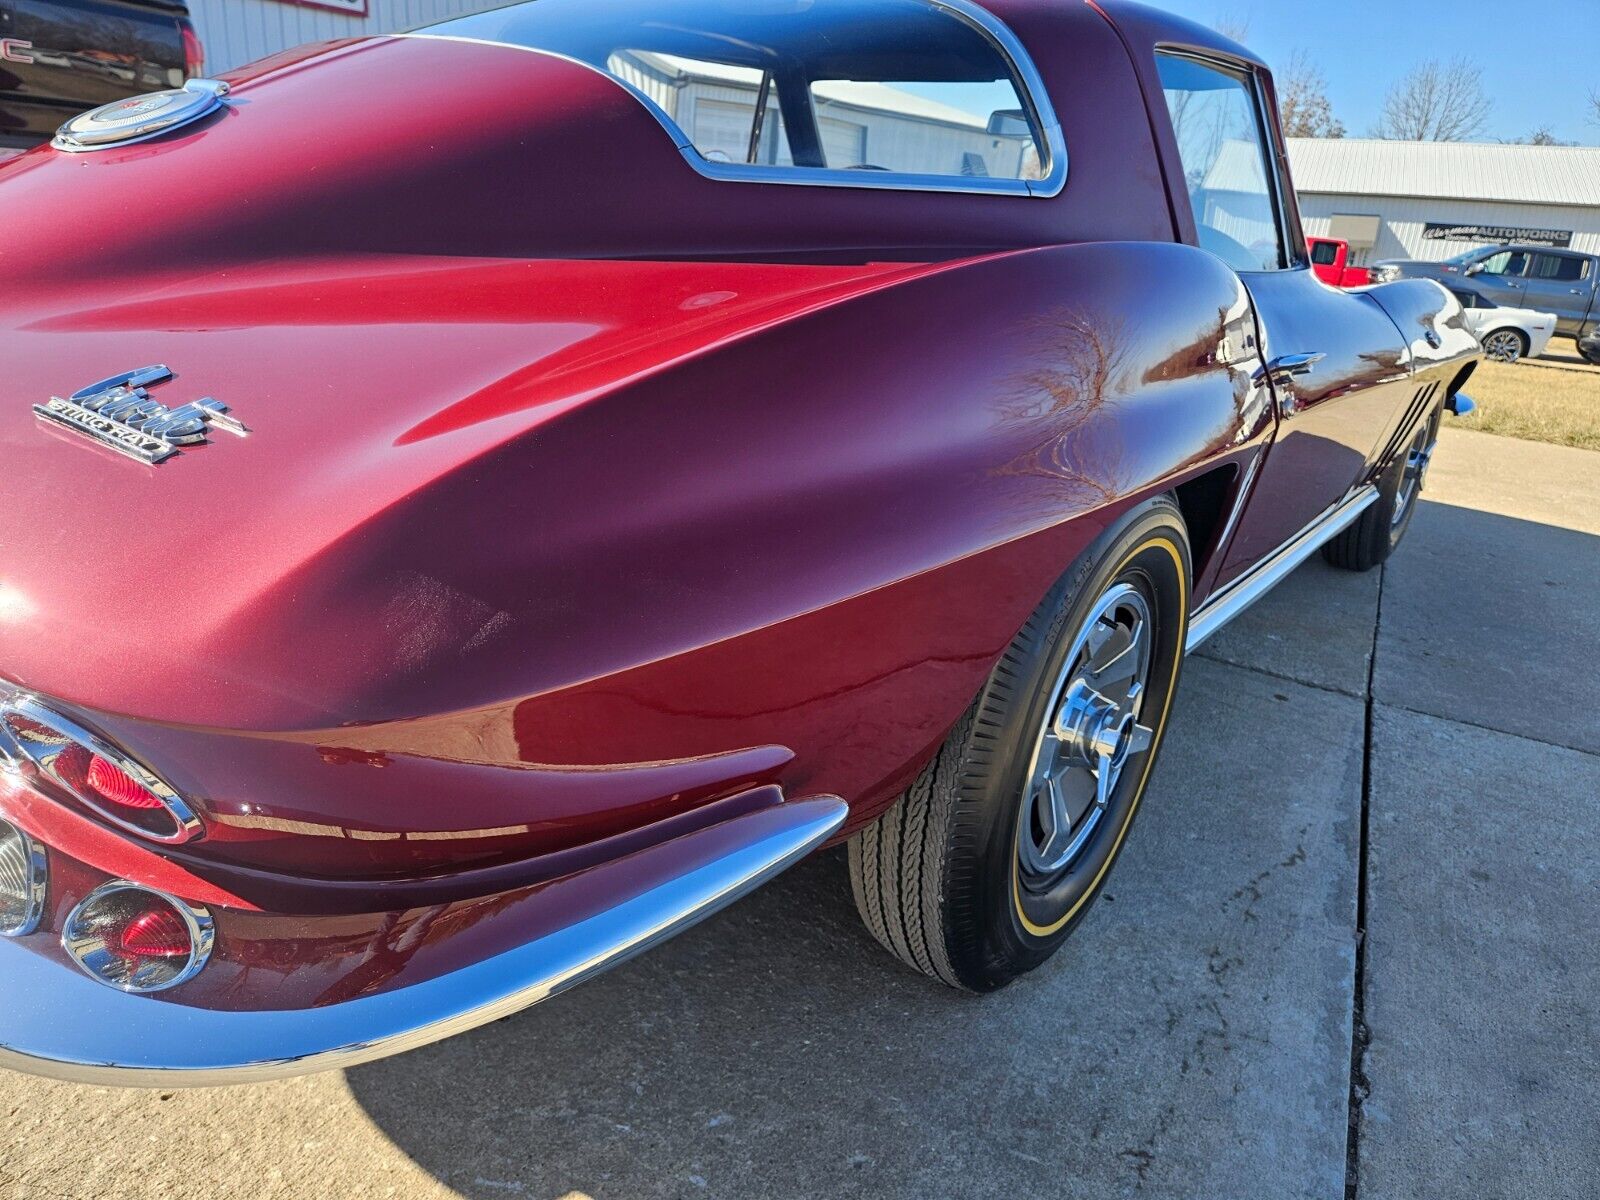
937, 878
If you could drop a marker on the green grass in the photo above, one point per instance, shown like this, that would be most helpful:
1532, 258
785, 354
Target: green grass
1536, 404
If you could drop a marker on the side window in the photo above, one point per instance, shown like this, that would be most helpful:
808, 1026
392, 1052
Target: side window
924, 94
733, 118
1226, 167
1468, 299
1559, 268
1507, 262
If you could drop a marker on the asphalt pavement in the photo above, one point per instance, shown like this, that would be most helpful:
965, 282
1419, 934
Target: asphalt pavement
1350, 950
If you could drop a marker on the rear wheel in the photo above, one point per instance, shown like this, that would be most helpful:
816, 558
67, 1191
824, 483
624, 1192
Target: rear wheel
1590, 352
1506, 345
1379, 530
983, 867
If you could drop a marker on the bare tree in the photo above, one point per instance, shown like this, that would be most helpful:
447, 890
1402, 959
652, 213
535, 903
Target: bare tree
1594, 106
1437, 102
1303, 101
1234, 28
1542, 136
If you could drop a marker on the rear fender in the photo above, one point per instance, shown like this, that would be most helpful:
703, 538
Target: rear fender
820, 536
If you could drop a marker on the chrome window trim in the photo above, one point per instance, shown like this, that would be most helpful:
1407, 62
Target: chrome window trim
202, 935
186, 821
1010, 47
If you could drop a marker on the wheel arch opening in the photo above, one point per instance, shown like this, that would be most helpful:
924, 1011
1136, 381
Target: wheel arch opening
1203, 501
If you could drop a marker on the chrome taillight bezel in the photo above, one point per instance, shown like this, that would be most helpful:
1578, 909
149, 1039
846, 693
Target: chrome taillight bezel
186, 823
35, 881
84, 949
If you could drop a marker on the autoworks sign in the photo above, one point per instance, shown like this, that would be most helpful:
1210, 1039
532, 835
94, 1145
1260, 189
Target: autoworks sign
1438, 231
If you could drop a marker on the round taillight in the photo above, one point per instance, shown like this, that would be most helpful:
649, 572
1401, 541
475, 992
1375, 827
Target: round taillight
110, 782
137, 940
23, 873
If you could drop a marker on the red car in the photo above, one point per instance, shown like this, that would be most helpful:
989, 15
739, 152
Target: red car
480, 500
1330, 259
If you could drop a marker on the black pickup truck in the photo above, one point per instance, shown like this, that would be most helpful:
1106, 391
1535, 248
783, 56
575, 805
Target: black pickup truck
60, 57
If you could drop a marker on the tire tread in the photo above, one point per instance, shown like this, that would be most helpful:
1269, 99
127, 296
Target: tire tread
914, 870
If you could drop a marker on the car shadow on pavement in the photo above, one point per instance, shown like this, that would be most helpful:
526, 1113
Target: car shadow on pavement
1191, 1038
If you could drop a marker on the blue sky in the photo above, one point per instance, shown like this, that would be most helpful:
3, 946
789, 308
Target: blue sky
1539, 60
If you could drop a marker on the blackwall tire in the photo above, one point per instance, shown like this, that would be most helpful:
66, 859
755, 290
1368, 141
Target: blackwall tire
1378, 532
963, 878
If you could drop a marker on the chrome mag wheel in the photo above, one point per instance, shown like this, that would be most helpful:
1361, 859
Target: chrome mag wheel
1418, 456
1091, 731
1504, 345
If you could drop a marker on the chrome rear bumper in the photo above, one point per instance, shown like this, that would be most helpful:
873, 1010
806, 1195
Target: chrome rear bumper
58, 1022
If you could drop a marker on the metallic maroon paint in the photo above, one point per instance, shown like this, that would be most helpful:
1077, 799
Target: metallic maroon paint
570, 526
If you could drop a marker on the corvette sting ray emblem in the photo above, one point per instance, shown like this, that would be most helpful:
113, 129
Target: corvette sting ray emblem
118, 412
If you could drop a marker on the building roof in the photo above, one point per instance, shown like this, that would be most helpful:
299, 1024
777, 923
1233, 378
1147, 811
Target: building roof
1556, 175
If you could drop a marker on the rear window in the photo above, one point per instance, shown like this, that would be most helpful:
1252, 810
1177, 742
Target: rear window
1561, 268
864, 93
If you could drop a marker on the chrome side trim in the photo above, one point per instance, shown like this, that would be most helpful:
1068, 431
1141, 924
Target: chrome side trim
1272, 570
985, 22
57, 1022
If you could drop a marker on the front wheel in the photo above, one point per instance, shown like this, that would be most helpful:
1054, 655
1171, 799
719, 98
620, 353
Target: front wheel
1590, 352
1377, 532
983, 867
1506, 345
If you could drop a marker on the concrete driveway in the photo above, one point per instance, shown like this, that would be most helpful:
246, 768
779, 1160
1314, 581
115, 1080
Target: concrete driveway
1413, 753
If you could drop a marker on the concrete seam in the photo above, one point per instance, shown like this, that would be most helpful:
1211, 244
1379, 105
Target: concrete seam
1360, 1033
1527, 737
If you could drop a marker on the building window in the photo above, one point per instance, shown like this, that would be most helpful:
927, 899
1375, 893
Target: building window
864, 93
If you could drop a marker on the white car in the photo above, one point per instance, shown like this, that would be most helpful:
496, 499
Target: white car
1507, 334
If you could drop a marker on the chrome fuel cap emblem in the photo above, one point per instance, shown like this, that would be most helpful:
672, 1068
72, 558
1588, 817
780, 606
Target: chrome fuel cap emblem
140, 117
119, 413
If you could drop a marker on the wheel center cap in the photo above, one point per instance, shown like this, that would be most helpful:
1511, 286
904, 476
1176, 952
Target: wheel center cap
1093, 729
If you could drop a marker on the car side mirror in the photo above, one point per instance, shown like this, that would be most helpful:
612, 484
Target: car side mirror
1475, 269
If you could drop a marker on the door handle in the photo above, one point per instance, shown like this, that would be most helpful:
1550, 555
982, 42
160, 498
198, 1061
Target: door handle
1281, 372
1284, 368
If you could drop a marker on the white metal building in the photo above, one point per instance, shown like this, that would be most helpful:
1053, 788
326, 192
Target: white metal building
238, 31
1432, 200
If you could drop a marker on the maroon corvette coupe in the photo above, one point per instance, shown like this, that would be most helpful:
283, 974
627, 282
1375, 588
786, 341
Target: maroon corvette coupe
479, 500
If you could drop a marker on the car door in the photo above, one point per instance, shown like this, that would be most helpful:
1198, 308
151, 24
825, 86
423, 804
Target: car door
1342, 374
1559, 283
1501, 277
